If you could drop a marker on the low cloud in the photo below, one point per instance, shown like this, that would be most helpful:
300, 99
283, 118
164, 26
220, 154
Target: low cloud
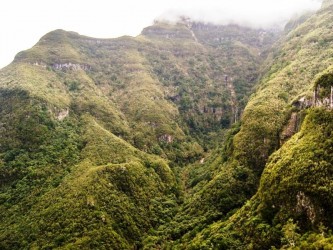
253, 13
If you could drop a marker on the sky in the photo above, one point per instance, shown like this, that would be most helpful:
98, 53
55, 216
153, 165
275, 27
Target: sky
24, 22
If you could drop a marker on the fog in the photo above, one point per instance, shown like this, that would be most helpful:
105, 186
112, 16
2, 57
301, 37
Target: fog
23, 22
253, 13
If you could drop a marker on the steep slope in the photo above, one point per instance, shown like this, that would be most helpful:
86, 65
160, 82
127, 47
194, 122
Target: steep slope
291, 206
293, 200
94, 133
212, 82
71, 182
90, 127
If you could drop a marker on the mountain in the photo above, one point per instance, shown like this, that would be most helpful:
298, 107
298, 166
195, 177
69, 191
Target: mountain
285, 134
95, 132
188, 136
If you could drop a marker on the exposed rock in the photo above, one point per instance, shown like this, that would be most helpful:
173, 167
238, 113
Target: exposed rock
325, 102
152, 124
63, 114
40, 64
303, 103
323, 95
71, 66
166, 138
290, 129
64, 66
304, 204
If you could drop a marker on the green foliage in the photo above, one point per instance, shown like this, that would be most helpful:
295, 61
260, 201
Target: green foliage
107, 196
290, 235
293, 197
89, 129
323, 84
305, 157
295, 182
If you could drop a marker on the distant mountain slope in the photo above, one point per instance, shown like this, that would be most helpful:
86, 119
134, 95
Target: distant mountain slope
94, 131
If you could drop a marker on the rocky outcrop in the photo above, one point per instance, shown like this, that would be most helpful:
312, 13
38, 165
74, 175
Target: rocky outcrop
64, 66
323, 96
71, 66
323, 91
290, 128
303, 103
62, 114
305, 205
166, 138
40, 64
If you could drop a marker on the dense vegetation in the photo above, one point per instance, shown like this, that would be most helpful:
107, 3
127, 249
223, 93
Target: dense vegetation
189, 136
90, 129
296, 178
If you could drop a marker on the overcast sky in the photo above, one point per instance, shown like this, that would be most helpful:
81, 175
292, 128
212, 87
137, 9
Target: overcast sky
23, 22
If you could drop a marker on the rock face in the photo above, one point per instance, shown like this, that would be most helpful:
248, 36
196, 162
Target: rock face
323, 100
290, 129
303, 103
323, 90
71, 66
305, 205
166, 138
63, 114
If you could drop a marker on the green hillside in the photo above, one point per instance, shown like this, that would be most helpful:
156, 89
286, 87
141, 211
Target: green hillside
96, 132
287, 137
188, 136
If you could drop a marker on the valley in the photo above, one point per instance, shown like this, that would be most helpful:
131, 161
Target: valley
189, 136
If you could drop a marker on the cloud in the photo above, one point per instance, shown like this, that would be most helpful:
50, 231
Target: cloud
254, 13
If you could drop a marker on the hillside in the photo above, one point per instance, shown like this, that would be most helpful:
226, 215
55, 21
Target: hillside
95, 133
285, 147
188, 136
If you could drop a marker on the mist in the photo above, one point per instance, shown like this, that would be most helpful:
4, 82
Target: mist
254, 13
